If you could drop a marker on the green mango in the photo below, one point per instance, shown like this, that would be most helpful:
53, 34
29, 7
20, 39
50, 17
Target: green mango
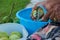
15, 36
3, 34
4, 38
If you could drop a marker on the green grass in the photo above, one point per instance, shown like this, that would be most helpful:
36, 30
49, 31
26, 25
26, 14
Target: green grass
5, 7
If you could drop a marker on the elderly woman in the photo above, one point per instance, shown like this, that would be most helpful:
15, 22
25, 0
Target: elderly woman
53, 13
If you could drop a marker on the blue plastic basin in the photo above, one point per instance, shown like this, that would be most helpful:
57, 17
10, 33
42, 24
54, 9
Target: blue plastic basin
25, 19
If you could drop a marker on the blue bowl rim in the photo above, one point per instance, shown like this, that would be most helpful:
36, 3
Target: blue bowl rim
19, 17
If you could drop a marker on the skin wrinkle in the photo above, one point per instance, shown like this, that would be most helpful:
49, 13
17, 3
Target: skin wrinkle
46, 16
52, 16
53, 8
57, 12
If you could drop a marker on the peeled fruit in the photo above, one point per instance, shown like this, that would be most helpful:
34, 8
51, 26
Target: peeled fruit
4, 38
3, 34
17, 33
15, 36
37, 13
12, 36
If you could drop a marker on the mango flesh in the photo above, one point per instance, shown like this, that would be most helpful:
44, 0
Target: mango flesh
13, 36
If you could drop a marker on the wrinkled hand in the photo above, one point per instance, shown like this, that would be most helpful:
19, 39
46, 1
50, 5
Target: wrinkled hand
53, 12
53, 8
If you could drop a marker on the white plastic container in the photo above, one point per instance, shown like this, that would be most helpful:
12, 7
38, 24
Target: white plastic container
12, 27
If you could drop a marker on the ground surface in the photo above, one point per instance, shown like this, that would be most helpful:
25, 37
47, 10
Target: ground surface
33, 2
